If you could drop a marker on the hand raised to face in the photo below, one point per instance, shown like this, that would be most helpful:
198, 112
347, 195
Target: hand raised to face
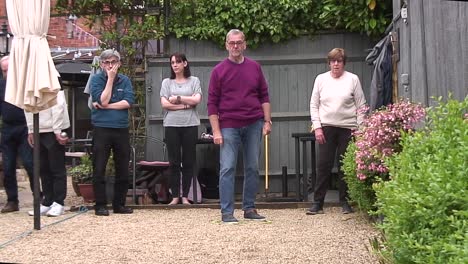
111, 67
113, 70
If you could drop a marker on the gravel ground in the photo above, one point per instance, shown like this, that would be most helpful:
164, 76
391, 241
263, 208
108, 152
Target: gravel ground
185, 236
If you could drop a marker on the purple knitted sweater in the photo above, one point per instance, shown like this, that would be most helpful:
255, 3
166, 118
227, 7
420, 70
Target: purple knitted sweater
236, 93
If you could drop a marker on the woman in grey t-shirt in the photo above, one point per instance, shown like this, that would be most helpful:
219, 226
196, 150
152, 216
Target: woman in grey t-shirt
180, 95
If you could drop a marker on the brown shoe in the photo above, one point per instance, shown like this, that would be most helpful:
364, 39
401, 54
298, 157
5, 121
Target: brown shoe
10, 207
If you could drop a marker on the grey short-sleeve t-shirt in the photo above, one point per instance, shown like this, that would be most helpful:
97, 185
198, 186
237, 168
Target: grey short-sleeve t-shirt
184, 117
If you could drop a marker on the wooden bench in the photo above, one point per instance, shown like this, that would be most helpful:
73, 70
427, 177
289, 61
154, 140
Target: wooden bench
140, 194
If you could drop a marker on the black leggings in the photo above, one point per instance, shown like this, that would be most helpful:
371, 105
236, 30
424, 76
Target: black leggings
181, 147
337, 140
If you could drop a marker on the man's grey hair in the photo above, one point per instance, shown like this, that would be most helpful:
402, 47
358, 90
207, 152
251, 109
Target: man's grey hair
109, 53
235, 31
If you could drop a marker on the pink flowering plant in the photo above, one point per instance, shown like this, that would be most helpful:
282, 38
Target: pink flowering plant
380, 136
377, 138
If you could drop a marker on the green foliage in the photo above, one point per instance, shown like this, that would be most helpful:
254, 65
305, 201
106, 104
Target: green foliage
369, 16
266, 21
82, 173
359, 192
378, 137
263, 21
110, 167
426, 203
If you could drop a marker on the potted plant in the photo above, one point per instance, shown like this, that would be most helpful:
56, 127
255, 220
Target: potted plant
82, 178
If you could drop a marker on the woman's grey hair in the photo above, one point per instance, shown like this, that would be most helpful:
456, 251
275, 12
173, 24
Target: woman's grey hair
234, 32
109, 53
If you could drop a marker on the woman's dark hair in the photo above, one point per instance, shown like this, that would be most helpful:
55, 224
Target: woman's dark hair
179, 57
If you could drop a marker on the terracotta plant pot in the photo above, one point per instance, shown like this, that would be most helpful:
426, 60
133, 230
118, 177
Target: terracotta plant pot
76, 188
87, 192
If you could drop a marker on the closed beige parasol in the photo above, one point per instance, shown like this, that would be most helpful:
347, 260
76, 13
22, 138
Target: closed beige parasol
32, 78
32, 81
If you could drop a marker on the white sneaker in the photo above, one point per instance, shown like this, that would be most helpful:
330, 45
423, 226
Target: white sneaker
56, 209
43, 210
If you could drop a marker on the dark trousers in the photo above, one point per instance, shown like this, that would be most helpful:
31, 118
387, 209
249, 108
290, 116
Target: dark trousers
15, 142
337, 140
104, 140
52, 169
181, 147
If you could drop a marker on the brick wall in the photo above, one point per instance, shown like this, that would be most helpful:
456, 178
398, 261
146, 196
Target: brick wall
57, 28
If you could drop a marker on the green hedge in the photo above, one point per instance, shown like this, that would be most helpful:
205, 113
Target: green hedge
425, 204
263, 21
359, 192
266, 21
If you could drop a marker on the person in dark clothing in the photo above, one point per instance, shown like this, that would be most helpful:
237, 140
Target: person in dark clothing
112, 95
14, 142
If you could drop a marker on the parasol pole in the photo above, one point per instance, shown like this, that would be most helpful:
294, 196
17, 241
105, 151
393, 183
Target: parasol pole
36, 170
266, 165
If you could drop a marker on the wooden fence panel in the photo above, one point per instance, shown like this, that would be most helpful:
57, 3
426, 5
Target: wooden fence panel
290, 69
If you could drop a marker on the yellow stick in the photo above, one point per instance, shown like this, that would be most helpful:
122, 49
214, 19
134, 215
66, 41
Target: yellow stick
266, 163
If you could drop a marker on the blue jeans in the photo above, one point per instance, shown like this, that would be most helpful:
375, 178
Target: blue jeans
15, 142
250, 137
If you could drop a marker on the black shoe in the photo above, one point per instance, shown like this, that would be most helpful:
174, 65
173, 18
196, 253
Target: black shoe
253, 215
123, 210
346, 208
10, 207
101, 211
317, 208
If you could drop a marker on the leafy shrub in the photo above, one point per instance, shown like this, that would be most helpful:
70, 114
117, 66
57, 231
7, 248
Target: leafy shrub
82, 173
426, 203
266, 21
377, 138
361, 193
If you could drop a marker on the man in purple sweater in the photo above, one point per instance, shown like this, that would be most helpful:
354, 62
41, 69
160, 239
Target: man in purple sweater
239, 113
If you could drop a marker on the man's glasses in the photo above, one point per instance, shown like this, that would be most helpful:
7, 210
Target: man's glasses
233, 43
112, 62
